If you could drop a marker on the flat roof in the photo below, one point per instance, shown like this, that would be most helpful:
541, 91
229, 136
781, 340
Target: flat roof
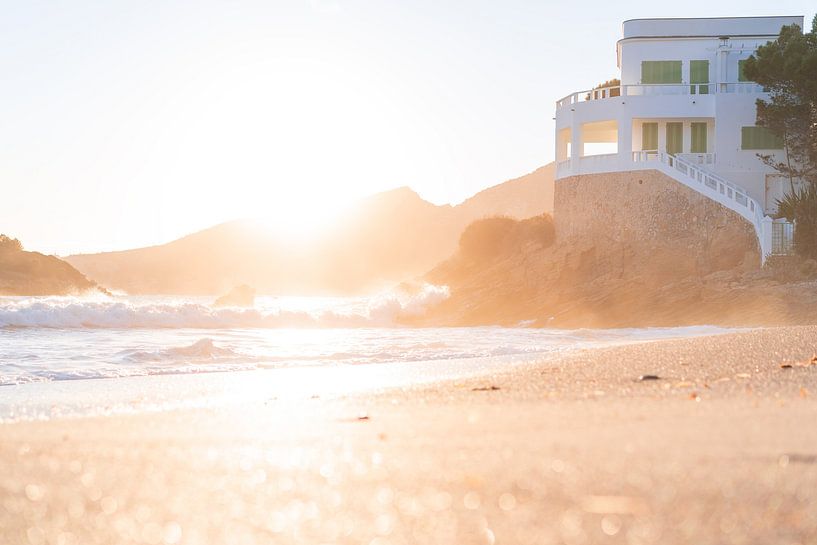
708, 26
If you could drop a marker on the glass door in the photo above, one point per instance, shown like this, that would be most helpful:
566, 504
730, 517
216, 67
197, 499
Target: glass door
698, 144
675, 138
698, 74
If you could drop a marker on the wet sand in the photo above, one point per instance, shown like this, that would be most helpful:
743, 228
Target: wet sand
722, 448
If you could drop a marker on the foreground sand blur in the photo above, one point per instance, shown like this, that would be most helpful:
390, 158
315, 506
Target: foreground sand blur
721, 449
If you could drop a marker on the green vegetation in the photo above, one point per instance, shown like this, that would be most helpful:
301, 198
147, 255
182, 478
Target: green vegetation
787, 68
614, 92
802, 206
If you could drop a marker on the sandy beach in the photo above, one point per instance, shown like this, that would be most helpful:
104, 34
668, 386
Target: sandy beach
721, 448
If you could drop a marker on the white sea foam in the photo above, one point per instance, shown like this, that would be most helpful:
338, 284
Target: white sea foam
122, 312
60, 339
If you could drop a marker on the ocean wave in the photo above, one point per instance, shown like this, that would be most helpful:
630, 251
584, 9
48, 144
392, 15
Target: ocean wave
125, 313
199, 357
203, 350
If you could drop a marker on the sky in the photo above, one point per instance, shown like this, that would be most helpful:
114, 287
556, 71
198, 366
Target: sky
131, 123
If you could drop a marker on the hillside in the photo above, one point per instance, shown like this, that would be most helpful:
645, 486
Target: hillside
518, 198
386, 238
32, 273
675, 258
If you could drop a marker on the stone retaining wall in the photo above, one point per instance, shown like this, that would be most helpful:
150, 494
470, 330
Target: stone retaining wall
647, 211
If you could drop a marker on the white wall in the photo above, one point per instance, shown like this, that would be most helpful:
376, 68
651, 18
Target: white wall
725, 112
723, 60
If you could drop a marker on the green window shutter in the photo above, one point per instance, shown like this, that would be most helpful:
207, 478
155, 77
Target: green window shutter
649, 136
699, 73
741, 74
675, 138
656, 72
759, 138
698, 144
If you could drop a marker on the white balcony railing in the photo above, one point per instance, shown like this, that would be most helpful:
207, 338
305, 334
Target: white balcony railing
698, 158
658, 89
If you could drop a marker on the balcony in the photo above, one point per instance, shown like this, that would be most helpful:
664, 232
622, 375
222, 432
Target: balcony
673, 89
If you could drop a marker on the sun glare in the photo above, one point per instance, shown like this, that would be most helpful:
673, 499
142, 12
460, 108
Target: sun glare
301, 218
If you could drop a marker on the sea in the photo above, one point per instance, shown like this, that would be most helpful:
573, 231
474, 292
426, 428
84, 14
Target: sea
78, 356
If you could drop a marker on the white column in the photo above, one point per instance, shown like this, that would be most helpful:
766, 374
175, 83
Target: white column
662, 136
625, 140
765, 238
576, 147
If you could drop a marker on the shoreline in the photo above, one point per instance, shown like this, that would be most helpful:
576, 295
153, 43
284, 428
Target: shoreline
722, 448
208, 384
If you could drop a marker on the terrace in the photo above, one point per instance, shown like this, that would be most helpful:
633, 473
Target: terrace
658, 89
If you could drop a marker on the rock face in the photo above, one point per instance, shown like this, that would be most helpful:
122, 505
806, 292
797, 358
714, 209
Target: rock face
685, 233
631, 249
32, 273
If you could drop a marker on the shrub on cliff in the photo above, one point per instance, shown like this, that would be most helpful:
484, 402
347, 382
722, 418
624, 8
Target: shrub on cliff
801, 206
8, 244
32, 273
485, 239
614, 92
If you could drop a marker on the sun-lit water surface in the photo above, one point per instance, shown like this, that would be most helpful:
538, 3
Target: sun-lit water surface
307, 345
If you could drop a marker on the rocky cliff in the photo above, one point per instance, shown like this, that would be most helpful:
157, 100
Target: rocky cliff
631, 249
32, 273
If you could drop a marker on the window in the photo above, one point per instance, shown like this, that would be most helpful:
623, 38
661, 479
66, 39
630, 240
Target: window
698, 138
699, 73
759, 138
741, 74
649, 136
675, 138
660, 72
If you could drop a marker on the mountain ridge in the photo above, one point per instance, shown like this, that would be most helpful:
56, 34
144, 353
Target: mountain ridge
386, 238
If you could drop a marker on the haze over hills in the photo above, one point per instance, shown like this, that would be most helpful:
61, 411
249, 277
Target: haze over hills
386, 238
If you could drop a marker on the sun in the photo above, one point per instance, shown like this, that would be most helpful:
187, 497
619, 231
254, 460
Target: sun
300, 217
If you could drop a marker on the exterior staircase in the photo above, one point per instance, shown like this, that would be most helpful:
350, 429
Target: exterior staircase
691, 172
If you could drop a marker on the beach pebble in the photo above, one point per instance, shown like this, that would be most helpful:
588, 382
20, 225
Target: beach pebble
649, 377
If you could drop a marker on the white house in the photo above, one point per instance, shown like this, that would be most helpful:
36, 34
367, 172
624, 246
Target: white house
683, 107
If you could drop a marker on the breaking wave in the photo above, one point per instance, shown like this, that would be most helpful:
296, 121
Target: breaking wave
203, 350
123, 312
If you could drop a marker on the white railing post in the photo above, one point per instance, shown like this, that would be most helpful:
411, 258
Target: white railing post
765, 238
